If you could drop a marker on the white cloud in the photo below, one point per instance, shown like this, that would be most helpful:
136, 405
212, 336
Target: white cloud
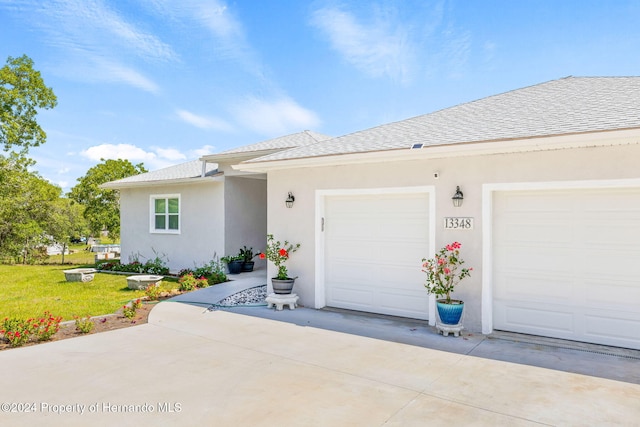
95, 41
119, 151
217, 18
199, 152
275, 117
202, 122
115, 72
380, 48
170, 154
153, 158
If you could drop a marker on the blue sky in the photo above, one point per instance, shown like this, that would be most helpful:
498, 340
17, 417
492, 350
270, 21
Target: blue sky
162, 82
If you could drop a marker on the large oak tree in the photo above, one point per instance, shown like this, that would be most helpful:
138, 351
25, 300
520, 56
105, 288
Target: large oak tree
102, 207
22, 93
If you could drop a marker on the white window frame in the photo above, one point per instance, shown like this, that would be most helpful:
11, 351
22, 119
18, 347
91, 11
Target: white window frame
152, 213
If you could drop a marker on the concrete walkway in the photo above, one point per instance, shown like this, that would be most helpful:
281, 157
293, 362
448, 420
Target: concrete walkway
191, 366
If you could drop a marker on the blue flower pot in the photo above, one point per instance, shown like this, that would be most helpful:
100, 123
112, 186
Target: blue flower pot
450, 314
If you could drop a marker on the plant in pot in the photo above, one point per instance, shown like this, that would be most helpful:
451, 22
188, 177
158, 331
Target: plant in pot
444, 272
278, 253
247, 258
234, 263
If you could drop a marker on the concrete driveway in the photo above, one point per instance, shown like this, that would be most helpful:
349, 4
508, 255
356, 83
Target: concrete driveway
190, 366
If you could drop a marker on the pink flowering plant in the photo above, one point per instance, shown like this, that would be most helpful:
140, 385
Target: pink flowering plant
278, 253
444, 271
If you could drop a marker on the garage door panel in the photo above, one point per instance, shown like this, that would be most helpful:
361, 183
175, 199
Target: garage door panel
373, 248
533, 288
621, 328
533, 233
552, 260
529, 318
567, 265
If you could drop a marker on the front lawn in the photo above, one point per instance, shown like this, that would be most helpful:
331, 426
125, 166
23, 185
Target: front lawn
30, 290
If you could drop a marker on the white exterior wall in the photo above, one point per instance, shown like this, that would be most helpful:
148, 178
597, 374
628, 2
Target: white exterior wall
298, 225
246, 216
201, 224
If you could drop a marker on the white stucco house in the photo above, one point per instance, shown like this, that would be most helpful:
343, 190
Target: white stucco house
550, 219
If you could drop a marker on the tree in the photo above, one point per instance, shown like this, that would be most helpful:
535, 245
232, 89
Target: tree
22, 92
67, 222
102, 207
26, 204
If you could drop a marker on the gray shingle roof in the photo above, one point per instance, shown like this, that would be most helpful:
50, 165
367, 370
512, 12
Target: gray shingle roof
192, 169
299, 139
564, 106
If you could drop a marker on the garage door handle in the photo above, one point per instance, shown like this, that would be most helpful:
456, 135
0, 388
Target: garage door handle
322, 224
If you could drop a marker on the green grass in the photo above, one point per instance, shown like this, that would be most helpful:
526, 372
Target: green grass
29, 290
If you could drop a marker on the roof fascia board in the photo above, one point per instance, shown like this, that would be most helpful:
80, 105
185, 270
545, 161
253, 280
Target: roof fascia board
240, 156
163, 183
546, 143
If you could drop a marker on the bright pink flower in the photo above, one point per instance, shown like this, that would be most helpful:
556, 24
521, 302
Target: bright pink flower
447, 271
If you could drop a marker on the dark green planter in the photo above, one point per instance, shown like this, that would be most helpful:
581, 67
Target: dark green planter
247, 266
235, 267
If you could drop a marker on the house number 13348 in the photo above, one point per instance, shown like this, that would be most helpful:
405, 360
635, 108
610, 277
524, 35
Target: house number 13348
458, 223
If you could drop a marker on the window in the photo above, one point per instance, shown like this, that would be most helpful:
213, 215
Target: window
165, 213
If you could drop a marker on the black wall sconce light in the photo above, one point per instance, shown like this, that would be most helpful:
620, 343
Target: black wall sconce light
290, 200
458, 197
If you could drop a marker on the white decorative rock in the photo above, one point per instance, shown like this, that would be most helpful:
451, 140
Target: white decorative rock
142, 282
79, 274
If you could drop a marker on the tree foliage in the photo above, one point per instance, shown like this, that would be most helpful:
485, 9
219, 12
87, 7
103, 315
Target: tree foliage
22, 92
26, 204
102, 207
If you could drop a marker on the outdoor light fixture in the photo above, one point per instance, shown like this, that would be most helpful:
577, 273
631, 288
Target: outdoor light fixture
290, 200
457, 198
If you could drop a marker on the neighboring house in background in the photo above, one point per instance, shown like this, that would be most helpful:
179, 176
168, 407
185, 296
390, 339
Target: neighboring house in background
196, 210
551, 181
551, 211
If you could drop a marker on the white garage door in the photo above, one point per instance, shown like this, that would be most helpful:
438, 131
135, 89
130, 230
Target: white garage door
567, 264
374, 245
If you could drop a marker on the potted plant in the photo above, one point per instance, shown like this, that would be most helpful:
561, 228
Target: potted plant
247, 258
234, 263
444, 272
278, 253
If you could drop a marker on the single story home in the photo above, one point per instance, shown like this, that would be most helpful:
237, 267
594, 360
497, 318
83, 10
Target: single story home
549, 220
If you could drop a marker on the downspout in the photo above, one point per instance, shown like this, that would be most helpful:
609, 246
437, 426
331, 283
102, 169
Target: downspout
204, 169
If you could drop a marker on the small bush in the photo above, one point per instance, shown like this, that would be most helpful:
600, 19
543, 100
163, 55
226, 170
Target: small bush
17, 331
47, 326
152, 292
84, 325
128, 311
136, 304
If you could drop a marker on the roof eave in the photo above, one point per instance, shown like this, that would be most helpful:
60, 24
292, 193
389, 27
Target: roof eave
504, 146
240, 156
115, 185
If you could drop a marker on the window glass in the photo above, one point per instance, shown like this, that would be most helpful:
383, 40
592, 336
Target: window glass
161, 205
173, 222
173, 205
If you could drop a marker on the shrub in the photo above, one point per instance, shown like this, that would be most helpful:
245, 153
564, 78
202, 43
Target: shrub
152, 292
84, 325
16, 331
136, 304
128, 311
47, 326
187, 282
